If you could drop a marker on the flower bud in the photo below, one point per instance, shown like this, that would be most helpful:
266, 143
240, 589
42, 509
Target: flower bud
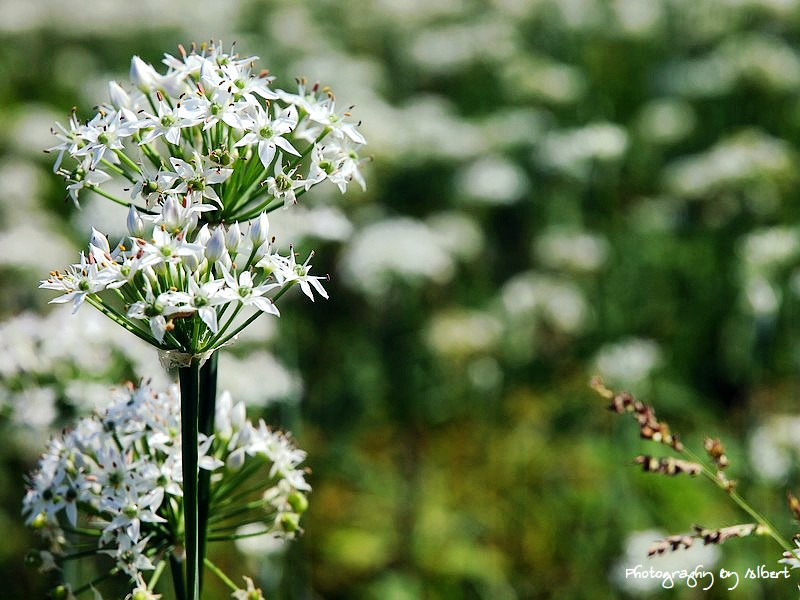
289, 522
238, 416
60, 592
235, 459
119, 97
99, 241
39, 521
171, 215
135, 222
33, 559
203, 235
259, 230
215, 248
233, 237
143, 75
298, 502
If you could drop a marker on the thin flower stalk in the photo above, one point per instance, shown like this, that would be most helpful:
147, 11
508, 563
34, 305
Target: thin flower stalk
651, 428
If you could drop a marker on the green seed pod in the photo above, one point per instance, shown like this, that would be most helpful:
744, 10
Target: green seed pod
39, 521
298, 502
33, 559
60, 593
290, 522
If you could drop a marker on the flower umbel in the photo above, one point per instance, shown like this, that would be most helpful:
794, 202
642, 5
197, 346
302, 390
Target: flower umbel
115, 481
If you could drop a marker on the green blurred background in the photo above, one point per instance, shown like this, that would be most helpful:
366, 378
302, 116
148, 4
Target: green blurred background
558, 188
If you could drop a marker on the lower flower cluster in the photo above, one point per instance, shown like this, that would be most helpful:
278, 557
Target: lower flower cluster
114, 483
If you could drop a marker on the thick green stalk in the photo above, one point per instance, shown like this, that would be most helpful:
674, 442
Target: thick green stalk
208, 406
190, 398
177, 577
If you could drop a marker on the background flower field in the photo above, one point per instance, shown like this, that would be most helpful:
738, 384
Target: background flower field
558, 188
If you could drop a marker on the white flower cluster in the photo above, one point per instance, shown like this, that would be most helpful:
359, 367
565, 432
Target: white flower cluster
209, 136
175, 283
116, 479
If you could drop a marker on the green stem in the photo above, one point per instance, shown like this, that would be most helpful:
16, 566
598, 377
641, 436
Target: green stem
224, 515
98, 190
190, 397
741, 502
206, 414
121, 320
252, 318
94, 581
126, 160
156, 575
239, 536
177, 577
118, 171
218, 572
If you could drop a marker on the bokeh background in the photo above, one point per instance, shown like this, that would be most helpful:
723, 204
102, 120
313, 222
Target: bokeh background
558, 188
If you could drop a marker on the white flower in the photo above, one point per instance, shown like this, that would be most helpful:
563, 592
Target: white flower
84, 176
71, 140
268, 133
156, 310
324, 114
243, 290
197, 176
251, 593
141, 591
143, 75
118, 473
168, 122
282, 186
107, 132
201, 298
79, 281
299, 273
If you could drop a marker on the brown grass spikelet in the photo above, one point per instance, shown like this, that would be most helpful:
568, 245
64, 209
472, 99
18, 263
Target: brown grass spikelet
668, 465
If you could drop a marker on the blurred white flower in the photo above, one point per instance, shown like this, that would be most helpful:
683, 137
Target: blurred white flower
39, 233
443, 49
30, 129
639, 18
775, 446
765, 249
750, 156
762, 297
201, 17
34, 408
574, 151
274, 382
459, 234
492, 180
321, 223
485, 373
665, 121
557, 302
416, 12
462, 332
579, 14
511, 128
636, 546
753, 58
657, 214
627, 361
542, 78
561, 248
425, 127
764, 59
398, 247
28, 348
258, 546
